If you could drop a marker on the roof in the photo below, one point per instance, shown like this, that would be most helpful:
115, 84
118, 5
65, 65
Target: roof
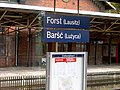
116, 1
26, 16
30, 8
109, 5
104, 3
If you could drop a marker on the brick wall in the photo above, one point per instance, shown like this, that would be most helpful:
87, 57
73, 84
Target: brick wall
8, 59
87, 5
22, 55
72, 4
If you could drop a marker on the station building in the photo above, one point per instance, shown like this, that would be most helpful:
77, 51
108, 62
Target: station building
21, 31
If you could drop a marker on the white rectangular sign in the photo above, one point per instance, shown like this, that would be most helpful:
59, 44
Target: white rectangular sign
66, 71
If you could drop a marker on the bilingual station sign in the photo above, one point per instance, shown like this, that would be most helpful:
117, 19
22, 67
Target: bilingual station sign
65, 35
66, 21
62, 22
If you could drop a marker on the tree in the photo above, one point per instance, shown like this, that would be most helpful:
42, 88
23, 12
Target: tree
117, 6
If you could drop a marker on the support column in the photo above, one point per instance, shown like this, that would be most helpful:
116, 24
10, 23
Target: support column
117, 51
78, 6
95, 52
88, 49
109, 51
29, 46
16, 45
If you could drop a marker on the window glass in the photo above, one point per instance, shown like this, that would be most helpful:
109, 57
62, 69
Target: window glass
38, 44
38, 49
8, 0
113, 51
2, 45
105, 50
2, 40
62, 47
80, 47
2, 50
4, 0
13, 0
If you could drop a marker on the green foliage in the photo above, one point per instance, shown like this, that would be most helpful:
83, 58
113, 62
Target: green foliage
117, 6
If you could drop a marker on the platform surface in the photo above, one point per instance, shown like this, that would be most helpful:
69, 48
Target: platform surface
22, 71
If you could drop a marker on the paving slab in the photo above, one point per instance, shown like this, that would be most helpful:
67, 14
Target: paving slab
22, 71
103, 69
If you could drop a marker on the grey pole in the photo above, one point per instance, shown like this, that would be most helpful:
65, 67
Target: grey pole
78, 6
29, 42
56, 48
54, 5
16, 45
109, 50
95, 63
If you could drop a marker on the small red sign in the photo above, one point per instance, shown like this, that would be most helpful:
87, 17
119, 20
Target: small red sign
65, 60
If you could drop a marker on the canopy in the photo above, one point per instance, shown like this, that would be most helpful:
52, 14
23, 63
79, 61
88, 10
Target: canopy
26, 16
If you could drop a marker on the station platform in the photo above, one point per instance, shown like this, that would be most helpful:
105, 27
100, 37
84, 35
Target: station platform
99, 77
21, 71
103, 69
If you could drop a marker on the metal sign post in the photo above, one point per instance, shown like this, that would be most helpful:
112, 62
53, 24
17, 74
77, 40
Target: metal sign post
66, 70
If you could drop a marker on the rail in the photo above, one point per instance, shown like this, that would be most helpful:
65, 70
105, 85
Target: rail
22, 83
37, 82
103, 79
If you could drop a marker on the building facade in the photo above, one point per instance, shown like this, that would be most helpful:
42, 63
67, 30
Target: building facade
24, 46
